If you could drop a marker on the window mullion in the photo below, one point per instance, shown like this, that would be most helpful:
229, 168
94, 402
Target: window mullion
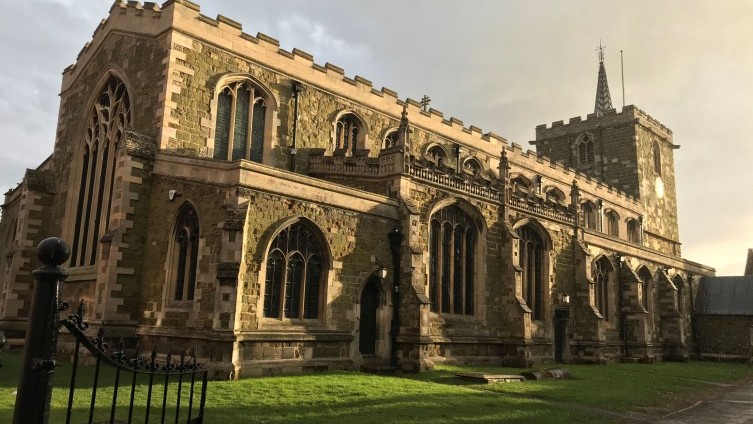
249, 129
283, 284
231, 130
302, 302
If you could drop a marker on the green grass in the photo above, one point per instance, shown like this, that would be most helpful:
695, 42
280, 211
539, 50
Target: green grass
436, 397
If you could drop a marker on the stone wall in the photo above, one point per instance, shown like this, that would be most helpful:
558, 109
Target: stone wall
723, 337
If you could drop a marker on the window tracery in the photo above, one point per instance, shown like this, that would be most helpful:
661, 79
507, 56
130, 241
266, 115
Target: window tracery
348, 133
602, 272
532, 250
295, 269
184, 254
585, 150
107, 123
452, 245
240, 122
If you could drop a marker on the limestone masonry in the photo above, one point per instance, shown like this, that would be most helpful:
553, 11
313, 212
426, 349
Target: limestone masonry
220, 192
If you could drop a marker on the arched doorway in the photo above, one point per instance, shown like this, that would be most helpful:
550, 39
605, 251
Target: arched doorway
370, 300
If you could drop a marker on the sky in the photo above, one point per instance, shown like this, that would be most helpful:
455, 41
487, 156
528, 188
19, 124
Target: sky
504, 66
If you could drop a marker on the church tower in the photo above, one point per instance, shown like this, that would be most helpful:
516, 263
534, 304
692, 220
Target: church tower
630, 151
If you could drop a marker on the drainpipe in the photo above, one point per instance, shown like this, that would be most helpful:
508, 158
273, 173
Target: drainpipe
396, 239
297, 89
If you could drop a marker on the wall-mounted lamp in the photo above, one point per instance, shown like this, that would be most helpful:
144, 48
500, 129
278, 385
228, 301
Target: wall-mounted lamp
172, 194
380, 268
565, 298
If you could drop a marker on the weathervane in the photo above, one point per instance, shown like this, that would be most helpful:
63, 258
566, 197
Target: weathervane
601, 52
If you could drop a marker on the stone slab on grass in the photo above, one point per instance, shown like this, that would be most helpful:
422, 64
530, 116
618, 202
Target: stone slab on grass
480, 377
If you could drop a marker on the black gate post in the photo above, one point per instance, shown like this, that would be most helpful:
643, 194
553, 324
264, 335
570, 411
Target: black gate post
35, 382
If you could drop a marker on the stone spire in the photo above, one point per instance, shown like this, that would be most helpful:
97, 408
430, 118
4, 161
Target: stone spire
603, 99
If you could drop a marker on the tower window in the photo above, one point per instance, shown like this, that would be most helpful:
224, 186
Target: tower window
585, 150
452, 246
239, 131
657, 158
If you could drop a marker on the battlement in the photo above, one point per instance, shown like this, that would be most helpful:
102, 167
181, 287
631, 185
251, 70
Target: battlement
556, 170
153, 20
629, 114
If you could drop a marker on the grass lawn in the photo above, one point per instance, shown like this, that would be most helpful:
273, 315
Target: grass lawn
435, 397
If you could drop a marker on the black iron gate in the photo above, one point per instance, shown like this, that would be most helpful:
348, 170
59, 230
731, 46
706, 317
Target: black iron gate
187, 377
175, 388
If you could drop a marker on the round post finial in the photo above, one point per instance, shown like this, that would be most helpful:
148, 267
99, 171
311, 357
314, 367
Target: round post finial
53, 251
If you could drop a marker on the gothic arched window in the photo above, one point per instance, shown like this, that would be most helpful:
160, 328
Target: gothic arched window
107, 123
184, 254
472, 166
633, 231
644, 275
602, 272
390, 140
239, 130
452, 248
590, 220
295, 270
680, 294
613, 223
348, 133
585, 150
532, 251
438, 155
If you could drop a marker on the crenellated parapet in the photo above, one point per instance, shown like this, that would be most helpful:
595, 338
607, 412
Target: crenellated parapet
628, 116
152, 20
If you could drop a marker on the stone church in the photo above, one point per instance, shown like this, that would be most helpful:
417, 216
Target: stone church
221, 192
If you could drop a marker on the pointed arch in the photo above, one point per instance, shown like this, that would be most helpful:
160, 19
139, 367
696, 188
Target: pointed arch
602, 274
590, 218
533, 252
584, 149
243, 110
454, 240
107, 121
645, 277
390, 138
680, 293
613, 222
183, 254
296, 265
350, 132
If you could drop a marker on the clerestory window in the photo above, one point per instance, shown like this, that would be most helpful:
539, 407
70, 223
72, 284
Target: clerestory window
295, 271
348, 133
452, 249
240, 126
613, 223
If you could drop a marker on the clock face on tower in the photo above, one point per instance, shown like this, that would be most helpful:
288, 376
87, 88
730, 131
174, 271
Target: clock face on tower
659, 187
